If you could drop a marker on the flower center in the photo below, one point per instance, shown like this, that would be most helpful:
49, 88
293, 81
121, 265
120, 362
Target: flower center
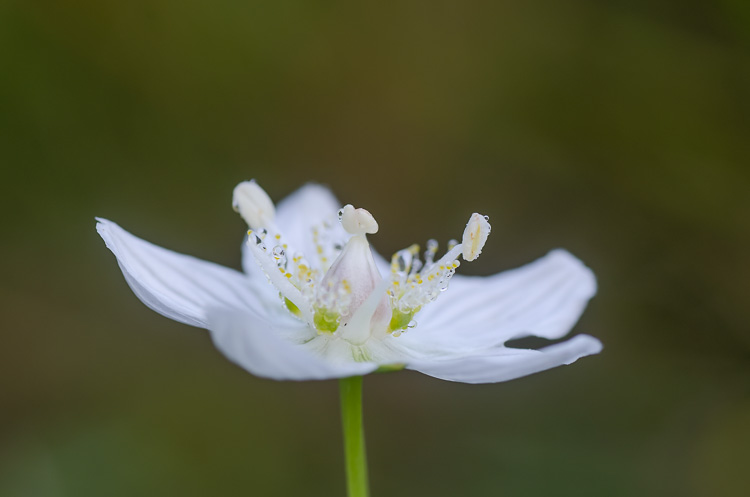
348, 298
353, 276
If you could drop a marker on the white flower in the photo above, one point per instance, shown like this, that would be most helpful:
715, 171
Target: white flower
313, 303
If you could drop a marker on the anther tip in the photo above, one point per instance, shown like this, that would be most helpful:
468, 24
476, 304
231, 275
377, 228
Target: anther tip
253, 204
475, 236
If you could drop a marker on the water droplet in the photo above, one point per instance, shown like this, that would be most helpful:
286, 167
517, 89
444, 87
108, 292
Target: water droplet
403, 259
255, 238
280, 255
416, 266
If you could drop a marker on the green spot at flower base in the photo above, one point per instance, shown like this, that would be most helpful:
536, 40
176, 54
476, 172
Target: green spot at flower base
400, 320
292, 308
326, 321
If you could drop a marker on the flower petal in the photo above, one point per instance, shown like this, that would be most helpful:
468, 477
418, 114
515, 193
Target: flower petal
307, 207
544, 298
257, 345
503, 364
179, 286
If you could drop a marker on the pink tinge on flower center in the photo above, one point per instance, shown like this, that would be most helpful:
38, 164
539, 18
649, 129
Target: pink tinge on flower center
354, 274
354, 270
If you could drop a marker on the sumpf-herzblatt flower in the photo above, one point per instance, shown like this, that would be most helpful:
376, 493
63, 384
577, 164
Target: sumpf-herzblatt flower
315, 302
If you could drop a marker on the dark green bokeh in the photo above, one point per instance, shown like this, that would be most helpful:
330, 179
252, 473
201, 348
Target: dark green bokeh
618, 130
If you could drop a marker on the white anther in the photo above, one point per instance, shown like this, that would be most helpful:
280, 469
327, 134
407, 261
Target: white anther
475, 236
357, 221
253, 204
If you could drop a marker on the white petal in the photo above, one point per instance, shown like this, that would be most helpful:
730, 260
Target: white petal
179, 286
309, 206
503, 364
544, 298
384, 267
257, 346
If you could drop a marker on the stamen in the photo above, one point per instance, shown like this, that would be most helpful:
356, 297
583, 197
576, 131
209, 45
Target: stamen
413, 286
253, 204
475, 236
274, 266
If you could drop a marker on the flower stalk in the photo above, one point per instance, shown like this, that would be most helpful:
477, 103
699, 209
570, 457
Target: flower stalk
354, 436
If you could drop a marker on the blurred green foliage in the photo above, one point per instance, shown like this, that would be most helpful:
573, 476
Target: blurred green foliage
618, 130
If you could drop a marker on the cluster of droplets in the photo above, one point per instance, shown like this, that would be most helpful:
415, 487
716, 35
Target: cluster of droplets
295, 269
305, 277
415, 283
327, 245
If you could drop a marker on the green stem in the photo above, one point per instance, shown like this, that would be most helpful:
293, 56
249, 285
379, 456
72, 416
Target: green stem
354, 436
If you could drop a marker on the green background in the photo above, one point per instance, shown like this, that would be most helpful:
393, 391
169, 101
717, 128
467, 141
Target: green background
618, 130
